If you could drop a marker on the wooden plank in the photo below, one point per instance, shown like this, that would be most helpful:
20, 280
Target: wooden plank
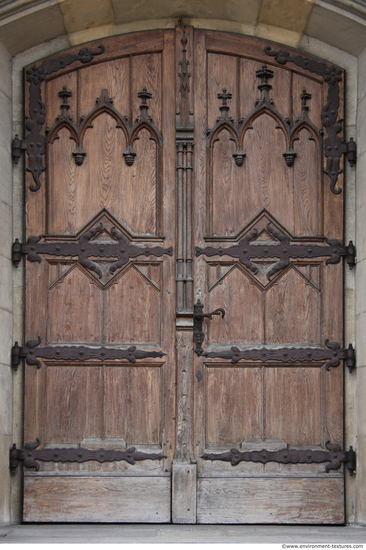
234, 408
107, 500
291, 501
184, 505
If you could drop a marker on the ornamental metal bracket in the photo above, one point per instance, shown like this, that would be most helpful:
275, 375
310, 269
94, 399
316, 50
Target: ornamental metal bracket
198, 316
31, 351
30, 455
334, 145
284, 249
333, 455
332, 353
35, 140
85, 247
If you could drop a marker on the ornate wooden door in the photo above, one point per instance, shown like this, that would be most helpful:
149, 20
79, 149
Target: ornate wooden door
100, 289
171, 174
268, 227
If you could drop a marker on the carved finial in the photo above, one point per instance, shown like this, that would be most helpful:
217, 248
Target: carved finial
144, 95
224, 108
180, 22
264, 74
104, 96
64, 94
224, 96
304, 97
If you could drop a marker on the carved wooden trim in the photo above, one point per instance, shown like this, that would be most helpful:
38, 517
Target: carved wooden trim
264, 104
75, 353
104, 104
333, 455
332, 354
35, 141
31, 456
184, 175
334, 145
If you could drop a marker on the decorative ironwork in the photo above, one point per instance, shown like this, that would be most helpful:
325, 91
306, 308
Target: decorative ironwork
85, 247
333, 455
75, 353
104, 104
334, 145
285, 250
332, 353
31, 456
35, 141
198, 316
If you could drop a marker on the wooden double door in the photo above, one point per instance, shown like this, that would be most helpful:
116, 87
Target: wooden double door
172, 174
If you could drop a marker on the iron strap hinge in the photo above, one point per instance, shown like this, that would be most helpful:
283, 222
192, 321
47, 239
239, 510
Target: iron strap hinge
332, 354
30, 455
333, 455
85, 247
284, 249
75, 353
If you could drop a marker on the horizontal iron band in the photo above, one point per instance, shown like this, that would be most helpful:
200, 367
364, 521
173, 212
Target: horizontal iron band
332, 353
75, 353
31, 455
334, 456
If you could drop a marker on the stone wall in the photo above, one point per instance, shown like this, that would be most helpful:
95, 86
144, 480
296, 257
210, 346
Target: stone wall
360, 512
6, 284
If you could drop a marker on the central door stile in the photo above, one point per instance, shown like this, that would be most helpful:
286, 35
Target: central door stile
184, 466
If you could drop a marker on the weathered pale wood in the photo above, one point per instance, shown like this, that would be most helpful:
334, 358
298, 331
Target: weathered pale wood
292, 501
292, 404
230, 389
74, 403
107, 500
184, 495
184, 436
133, 404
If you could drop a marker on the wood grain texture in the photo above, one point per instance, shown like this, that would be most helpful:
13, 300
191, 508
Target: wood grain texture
292, 310
140, 300
222, 72
107, 500
292, 404
133, 404
268, 181
111, 75
80, 300
291, 501
74, 403
307, 182
240, 324
234, 404
227, 183
90, 402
